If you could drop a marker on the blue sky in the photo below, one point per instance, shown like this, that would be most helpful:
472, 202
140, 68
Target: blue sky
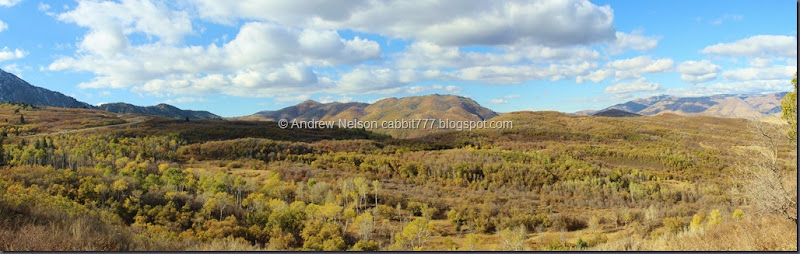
238, 57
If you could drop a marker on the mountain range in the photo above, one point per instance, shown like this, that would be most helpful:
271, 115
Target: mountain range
162, 109
15, 89
722, 105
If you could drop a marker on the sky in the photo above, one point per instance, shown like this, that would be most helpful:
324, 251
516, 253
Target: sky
236, 58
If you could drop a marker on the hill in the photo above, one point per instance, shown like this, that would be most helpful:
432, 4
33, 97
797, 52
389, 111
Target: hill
162, 109
433, 106
311, 110
722, 105
615, 113
14, 89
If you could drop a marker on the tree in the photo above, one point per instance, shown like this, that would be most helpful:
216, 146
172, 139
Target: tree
2, 152
21, 119
789, 108
697, 222
366, 225
513, 240
471, 241
766, 184
715, 218
414, 235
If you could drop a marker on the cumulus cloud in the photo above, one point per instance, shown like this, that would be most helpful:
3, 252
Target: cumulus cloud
595, 76
698, 71
3, 26
632, 41
756, 46
329, 99
517, 74
181, 100
784, 72
257, 62
423, 54
444, 22
8, 54
634, 67
638, 85
374, 80
504, 99
9, 3
733, 87
433, 88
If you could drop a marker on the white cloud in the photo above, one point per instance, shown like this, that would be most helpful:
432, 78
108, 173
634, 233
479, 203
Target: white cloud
756, 46
329, 99
522, 73
442, 22
422, 54
595, 76
698, 71
13, 68
110, 21
7, 54
498, 101
261, 61
298, 98
433, 88
720, 20
761, 73
3, 26
504, 99
370, 80
638, 85
9, 3
735, 87
43, 7
635, 40
181, 100
634, 67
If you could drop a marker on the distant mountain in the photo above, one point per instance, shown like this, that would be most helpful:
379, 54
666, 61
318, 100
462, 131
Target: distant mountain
615, 113
162, 109
723, 105
312, 110
433, 106
587, 112
14, 89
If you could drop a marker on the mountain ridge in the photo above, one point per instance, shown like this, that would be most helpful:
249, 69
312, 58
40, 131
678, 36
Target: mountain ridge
16, 90
161, 109
719, 105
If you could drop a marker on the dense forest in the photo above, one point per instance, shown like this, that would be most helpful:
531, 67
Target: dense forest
78, 179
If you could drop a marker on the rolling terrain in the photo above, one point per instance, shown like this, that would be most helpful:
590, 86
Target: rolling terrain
553, 182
